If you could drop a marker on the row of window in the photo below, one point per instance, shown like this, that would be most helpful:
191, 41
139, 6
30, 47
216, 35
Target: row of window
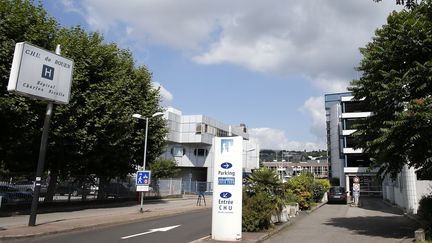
178, 151
205, 128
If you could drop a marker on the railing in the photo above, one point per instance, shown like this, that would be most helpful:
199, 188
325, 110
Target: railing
19, 189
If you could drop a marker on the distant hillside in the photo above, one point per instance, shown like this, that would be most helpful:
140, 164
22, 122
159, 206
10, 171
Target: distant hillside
291, 156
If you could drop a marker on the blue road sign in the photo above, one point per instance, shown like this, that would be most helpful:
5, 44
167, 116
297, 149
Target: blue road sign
143, 178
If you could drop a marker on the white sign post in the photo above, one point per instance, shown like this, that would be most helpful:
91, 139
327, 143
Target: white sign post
44, 75
39, 73
227, 189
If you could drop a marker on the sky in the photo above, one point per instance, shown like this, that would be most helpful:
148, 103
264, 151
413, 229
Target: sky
266, 64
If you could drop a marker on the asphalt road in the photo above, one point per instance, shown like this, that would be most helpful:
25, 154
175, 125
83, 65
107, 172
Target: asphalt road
179, 228
374, 221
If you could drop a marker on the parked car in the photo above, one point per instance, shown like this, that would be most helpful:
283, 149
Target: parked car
28, 186
337, 194
12, 195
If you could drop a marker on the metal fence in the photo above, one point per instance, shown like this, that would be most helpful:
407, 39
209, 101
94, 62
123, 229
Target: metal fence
19, 188
169, 187
195, 187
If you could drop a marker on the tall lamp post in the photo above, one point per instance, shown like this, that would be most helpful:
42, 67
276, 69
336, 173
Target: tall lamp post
138, 116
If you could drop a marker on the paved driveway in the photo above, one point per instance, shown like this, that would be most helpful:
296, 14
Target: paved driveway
374, 221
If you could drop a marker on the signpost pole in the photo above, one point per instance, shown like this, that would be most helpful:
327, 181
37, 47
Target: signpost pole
41, 160
144, 160
40, 166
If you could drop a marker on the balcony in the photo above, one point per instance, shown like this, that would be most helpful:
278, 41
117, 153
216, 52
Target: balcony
352, 151
348, 132
356, 115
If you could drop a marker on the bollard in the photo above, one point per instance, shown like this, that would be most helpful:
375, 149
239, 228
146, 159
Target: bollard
419, 235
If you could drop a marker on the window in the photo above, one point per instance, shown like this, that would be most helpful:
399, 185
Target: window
178, 151
198, 129
200, 152
354, 106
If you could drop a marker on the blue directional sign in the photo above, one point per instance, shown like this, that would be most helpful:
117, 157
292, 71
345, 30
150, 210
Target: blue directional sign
143, 178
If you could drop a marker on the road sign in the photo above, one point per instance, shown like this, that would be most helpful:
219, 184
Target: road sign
40, 73
143, 180
356, 187
356, 179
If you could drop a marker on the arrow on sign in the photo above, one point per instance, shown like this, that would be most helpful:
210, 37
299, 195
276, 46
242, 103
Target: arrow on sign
164, 229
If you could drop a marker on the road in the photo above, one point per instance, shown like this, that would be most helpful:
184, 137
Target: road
374, 221
179, 228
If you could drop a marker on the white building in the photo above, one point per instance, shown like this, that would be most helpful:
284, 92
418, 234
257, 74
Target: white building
190, 144
345, 162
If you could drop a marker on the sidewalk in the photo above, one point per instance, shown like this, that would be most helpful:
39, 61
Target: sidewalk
50, 223
257, 237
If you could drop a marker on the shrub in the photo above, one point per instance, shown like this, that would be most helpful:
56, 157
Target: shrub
257, 211
319, 187
425, 208
302, 187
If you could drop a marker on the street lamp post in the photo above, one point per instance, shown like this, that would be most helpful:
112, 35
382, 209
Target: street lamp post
138, 116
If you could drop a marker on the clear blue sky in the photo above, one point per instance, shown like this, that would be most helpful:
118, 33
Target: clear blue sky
267, 64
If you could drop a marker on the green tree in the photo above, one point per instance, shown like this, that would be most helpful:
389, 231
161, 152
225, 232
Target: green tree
396, 85
21, 118
95, 133
163, 168
407, 3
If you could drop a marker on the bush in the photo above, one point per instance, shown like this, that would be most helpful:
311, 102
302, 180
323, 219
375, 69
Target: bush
320, 187
257, 212
425, 208
302, 187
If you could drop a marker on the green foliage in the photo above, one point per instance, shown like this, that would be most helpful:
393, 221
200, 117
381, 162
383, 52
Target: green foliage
319, 188
93, 134
257, 211
407, 3
302, 186
264, 179
163, 168
396, 85
21, 118
265, 193
425, 208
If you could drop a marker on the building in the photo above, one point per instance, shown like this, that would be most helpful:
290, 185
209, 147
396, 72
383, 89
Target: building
190, 144
286, 170
345, 162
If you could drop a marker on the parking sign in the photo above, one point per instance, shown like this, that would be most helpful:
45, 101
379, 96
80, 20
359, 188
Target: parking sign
143, 180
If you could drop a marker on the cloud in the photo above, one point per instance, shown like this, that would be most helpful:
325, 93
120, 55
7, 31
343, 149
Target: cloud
165, 94
316, 39
269, 138
314, 108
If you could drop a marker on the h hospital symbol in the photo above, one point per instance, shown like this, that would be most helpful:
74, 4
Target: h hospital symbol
47, 72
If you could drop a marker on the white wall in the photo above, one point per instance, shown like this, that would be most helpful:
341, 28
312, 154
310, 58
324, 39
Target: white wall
424, 188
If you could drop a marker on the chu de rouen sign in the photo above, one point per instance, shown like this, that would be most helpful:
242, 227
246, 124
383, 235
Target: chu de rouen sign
40, 73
